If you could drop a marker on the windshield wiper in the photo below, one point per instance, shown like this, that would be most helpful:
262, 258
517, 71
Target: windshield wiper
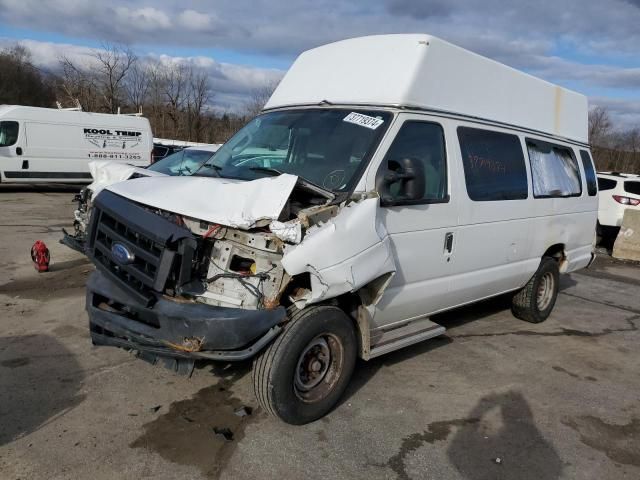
270, 170
212, 166
302, 182
307, 184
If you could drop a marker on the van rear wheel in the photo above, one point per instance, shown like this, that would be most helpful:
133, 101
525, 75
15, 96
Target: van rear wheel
304, 372
536, 300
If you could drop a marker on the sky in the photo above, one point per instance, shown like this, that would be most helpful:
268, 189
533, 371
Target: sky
590, 46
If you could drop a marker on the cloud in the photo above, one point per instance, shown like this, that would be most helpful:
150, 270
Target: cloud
606, 76
591, 46
624, 113
196, 21
47, 55
285, 27
231, 84
419, 9
146, 19
228, 78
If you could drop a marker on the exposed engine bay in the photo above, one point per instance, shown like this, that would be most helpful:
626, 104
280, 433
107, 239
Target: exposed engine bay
243, 268
268, 242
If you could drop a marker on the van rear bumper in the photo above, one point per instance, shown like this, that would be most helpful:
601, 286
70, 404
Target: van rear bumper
179, 330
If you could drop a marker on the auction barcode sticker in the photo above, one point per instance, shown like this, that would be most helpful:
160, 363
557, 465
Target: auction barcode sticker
363, 120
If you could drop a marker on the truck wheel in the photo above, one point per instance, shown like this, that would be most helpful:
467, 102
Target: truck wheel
536, 300
304, 372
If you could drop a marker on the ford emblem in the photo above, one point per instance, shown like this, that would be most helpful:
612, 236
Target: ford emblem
122, 254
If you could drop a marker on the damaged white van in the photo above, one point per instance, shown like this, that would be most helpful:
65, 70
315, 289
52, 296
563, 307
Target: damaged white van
389, 178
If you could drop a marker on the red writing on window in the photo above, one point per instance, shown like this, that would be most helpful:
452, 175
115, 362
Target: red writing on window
480, 163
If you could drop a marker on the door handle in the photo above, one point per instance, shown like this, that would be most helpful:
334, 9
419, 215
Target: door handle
18, 151
448, 242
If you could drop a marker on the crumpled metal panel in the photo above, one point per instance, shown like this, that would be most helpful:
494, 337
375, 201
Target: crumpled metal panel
234, 203
344, 254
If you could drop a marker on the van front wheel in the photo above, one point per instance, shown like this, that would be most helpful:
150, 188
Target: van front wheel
304, 372
536, 300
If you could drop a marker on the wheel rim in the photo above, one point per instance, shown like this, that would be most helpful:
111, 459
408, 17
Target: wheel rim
319, 367
545, 291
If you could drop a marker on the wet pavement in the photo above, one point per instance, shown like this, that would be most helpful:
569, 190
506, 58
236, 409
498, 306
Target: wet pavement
495, 398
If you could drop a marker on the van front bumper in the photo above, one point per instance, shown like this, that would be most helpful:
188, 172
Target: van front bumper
176, 330
74, 242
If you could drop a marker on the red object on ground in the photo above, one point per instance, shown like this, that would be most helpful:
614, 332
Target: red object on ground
40, 256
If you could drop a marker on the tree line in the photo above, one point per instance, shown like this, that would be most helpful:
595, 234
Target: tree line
176, 98
613, 149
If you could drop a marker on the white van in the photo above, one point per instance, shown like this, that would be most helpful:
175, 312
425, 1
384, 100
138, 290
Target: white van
389, 178
56, 145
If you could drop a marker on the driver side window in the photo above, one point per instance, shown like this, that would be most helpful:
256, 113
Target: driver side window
8, 133
422, 142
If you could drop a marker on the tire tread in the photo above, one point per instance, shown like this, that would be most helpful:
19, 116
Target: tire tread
264, 362
524, 302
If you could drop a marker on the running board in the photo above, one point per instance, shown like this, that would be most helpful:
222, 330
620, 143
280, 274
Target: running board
408, 334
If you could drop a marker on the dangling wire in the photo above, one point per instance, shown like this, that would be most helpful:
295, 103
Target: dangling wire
212, 229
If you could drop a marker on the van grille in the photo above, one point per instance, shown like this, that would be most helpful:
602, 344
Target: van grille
153, 241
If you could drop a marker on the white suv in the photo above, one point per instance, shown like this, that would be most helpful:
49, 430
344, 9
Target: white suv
618, 191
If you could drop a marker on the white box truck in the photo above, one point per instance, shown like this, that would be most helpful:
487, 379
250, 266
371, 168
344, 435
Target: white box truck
56, 145
389, 178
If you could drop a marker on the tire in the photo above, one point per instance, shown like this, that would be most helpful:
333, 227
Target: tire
536, 299
599, 233
290, 379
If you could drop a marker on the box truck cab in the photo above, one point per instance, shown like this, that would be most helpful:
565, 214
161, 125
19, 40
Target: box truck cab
56, 145
389, 178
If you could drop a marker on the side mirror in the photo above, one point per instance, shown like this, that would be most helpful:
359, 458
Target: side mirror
409, 176
18, 151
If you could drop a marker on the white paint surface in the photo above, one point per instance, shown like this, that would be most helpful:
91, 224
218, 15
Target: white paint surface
343, 254
106, 172
423, 71
234, 203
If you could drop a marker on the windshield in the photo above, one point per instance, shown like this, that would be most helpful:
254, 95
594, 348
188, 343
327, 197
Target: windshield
327, 147
184, 162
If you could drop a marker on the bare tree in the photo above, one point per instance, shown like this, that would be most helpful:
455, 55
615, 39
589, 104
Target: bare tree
175, 96
113, 62
199, 95
176, 80
613, 149
259, 96
137, 84
21, 82
599, 125
77, 85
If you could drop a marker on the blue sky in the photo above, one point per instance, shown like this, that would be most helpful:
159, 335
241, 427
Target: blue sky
590, 46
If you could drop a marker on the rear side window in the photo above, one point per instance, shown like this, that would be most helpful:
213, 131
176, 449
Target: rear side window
589, 173
494, 167
632, 187
554, 170
606, 184
8, 133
